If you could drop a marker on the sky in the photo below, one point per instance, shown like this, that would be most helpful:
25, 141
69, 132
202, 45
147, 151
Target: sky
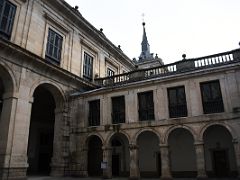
174, 27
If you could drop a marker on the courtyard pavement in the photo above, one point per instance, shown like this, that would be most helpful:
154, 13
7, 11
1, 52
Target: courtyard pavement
73, 178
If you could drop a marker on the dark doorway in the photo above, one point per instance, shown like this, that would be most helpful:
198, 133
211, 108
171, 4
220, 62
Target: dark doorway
40, 142
220, 162
159, 165
148, 143
115, 165
95, 156
120, 155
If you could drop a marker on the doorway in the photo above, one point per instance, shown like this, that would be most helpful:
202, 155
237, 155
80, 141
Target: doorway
41, 133
220, 163
115, 165
95, 156
159, 164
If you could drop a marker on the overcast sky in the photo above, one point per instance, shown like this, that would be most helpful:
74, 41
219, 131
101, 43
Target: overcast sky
174, 27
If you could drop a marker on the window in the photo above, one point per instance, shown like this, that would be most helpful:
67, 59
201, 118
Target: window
94, 113
88, 66
118, 110
211, 97
7, 14
110, 72
145, 106
177, 102
54, 46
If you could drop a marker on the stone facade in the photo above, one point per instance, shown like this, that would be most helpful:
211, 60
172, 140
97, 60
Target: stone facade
45, 104
168, 135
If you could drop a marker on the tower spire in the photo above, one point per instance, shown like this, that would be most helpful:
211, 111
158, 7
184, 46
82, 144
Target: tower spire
145, 54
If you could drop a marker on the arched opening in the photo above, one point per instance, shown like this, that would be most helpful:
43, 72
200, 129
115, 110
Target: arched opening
149, 154
95, 156
41, 133
120, 155
220, 158
6, 86
182, 153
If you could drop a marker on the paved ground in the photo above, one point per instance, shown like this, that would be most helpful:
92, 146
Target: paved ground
70, 178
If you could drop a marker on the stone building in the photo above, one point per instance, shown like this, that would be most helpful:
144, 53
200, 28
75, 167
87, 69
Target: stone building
73, 104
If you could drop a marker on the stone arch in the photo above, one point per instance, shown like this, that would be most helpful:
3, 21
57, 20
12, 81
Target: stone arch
181, 149
118, 142
55, 90
220, 155
47, 97
9, 80
228, 127
135, 138
92, 135
171, 129
112, 135
94, 155
149, 160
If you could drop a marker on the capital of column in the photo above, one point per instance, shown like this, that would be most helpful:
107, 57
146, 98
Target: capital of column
10, 95
133, 146
107, 148
234, 141
198, 143
162, 146
85, 149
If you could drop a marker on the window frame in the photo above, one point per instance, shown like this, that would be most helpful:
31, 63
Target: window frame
119, 113
179, 109
58, 48
146, 110
110, 72
217, 106
88, 66
94, 113
7, 31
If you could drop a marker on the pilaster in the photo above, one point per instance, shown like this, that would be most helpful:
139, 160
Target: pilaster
134, 162
200, 160
166, 172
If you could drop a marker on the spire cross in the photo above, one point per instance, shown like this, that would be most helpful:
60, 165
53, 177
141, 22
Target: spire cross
143, 15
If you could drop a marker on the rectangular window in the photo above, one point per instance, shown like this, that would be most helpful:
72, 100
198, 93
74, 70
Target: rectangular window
177, 102
54, 46
211, 97
7, 14
88, 66
110, 72
94, 113
145, 106
118, 110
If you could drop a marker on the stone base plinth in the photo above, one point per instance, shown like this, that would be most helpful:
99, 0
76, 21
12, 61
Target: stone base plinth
166, 178
134, 178
57, 171
13, 174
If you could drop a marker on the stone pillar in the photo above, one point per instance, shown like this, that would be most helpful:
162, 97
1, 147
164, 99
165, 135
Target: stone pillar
134, 162
15, 118
6, 121
200, 160
107, 157
237, 156
81, 169
57, 163
165, 162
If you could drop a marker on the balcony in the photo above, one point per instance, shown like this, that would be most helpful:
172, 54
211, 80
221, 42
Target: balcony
186, 65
